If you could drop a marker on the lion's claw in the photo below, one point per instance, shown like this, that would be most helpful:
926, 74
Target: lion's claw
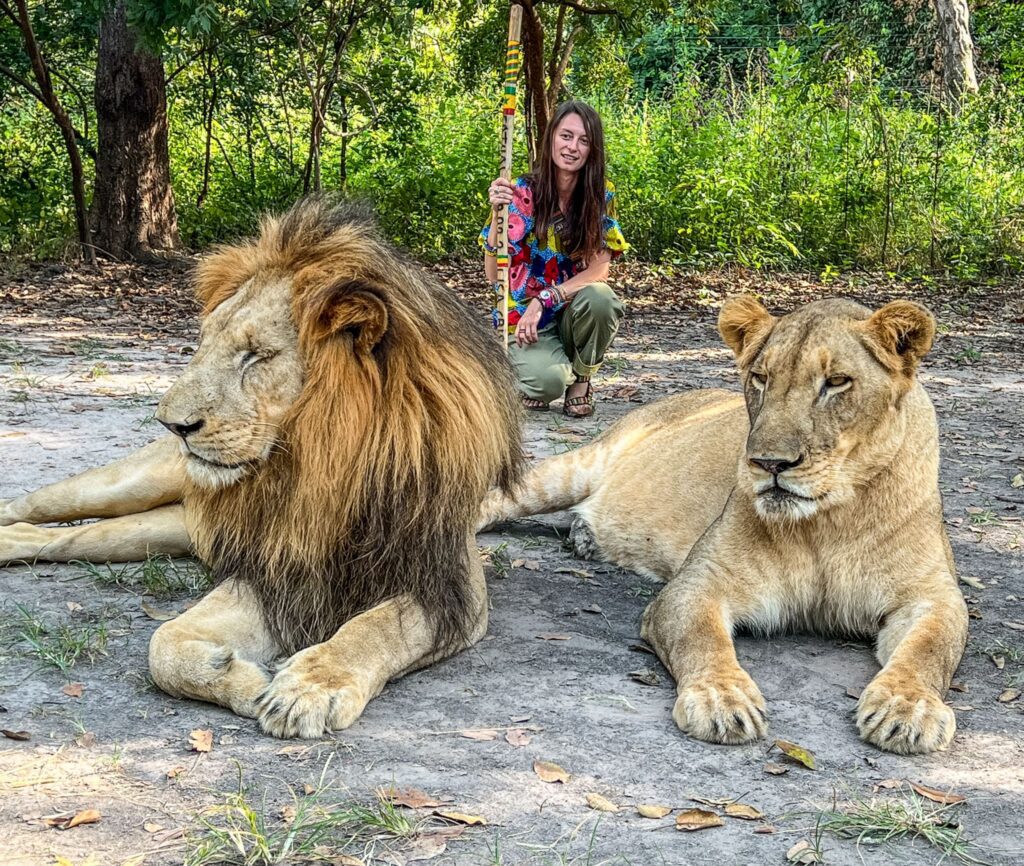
906, 720
296, 704
721, 708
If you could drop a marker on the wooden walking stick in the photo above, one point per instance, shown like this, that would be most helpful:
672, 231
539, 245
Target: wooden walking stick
513, 60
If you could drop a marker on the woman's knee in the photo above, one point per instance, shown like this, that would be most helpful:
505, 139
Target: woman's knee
597, 300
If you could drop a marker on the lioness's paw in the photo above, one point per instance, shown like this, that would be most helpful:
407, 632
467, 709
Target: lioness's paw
299, 704
721, 708
908, 720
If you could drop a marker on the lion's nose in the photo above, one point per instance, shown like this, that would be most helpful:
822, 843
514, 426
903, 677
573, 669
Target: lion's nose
182, 430
776, 465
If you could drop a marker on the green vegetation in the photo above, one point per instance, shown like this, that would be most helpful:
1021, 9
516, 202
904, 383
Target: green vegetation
59, 645
882, 821
157, 575
808, 134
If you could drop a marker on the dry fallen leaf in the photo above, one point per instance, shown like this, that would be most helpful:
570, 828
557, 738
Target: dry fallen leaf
646, 810
764, 829
803, 853
532, 565
201, 740
156, 613
797, 753
549, 772
554, 636
288, 814
518, 737
16, 735
1016, 626
462, 818
1008, 695
971, 581
712, 801
887, 784
773, 769
697, 819
152, 827
174, 772
411, 798
480, 735
946, 798
744, 811
76, 819
647, 676
73, 690
998, 661
959, 687
601, 804
851, 692
1017, 481
73, 606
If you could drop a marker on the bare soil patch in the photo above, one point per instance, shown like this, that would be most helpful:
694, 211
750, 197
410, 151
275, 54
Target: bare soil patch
559, 678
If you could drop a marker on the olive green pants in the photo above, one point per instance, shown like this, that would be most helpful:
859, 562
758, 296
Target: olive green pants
574, 344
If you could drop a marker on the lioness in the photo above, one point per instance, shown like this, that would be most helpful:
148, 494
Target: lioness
830, 519
334, 435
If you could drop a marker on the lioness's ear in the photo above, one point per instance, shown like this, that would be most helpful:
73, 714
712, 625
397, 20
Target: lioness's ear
356, 310
744, 323
904, 332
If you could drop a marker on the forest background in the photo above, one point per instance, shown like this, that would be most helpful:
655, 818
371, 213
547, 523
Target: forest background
786, 134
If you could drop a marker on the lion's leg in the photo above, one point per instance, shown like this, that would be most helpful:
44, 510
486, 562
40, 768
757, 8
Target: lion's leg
691, 631
152, 476
119, 539
919, 647
327, 686
216, 651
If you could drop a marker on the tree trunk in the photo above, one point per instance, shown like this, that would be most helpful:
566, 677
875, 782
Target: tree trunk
957, 50
133, 203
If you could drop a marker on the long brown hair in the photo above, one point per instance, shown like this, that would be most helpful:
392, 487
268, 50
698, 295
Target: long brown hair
582, 232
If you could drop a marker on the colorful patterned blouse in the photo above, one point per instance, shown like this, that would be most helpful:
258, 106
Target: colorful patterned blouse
534, 266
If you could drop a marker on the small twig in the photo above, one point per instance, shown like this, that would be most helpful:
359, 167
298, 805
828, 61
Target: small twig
534, 728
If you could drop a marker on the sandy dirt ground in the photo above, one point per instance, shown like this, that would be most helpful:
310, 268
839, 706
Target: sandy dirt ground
560, 676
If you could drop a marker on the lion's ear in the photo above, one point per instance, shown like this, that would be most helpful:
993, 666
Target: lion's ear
903, 331
744, 323
356, 310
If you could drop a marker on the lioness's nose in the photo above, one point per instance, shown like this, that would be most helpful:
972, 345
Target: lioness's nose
776, 465
182, 430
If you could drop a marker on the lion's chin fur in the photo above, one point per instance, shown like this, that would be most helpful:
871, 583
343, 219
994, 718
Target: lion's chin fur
210, 477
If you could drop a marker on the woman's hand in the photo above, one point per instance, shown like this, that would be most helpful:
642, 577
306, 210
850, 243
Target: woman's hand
526, 327
499, 193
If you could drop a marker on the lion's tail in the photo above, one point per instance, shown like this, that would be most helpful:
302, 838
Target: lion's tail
553, 485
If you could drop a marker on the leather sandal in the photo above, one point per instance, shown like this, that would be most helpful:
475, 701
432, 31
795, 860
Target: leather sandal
533, 404
581, 406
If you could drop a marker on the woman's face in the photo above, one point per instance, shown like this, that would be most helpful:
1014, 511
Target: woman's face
570, 146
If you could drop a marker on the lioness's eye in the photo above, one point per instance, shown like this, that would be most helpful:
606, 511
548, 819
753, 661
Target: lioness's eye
759, 380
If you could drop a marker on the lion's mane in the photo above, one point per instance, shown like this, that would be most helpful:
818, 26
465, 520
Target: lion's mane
408, 414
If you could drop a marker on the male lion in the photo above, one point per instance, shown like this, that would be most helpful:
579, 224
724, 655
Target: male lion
337, 429
831, 520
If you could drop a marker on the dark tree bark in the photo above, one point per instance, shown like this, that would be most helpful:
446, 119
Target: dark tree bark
133, 203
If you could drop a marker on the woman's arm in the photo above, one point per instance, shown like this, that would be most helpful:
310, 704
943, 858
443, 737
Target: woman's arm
595, 272
499, 193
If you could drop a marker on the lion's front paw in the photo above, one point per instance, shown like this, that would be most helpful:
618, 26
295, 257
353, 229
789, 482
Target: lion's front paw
721, 708
300, 703
904, 718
